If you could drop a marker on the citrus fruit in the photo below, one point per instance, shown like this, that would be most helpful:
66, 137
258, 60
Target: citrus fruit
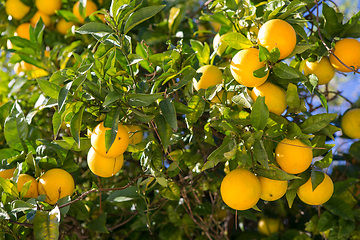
7, 173
268, 226
220, 44
48, 7
45, 18
104, 166
243, 65
320, 195
90, 8
23, 31
56, 183
240, 189
277, 33
211, 75
348, 51
119, 145
26, 66
293, 156
135, 134
275, 97
63, 26
16, 8
271, 189
33, 189
218, 97
350, 123
323, 70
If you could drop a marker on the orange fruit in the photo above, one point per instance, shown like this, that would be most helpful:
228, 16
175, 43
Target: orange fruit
90, 8
211, 75
45, 18
63, 26
243, 65
56, 183
350, 123
119, 145
26, 66
275, 97
348, 51
293, 156
104, 166
33, 189
16, 8
320, 195
322, 69
135, 134
23, 31
48, 7
240, 189
277, 33
7, 173
271, 189
268, 226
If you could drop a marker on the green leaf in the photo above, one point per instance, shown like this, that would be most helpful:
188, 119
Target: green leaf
275, 173
111, 121
9, 187
338, 207
202, 51
260, 153
75, 125
316, 178
171, 192
217, 155
169, 112
142, 99
49, 89
63, 95
198, 105
124, 195
282, 70
141, 15
322, 100
259, 114
94, 27
111, 97
292, 97
16, 128
331, 24
46, 224
265, 55
345, 228
98, 225
164, 130
4, 214
237, 41
290, 196
317, 122
326, 221
19, 206
326, 161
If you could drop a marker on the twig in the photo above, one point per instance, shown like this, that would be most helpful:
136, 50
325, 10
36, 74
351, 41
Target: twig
123, 223
21, 224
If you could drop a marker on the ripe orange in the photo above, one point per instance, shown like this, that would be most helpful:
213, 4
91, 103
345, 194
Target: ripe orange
33, 189
63, 26
211, 75
16, 8
277, 33
56, 183
45, 18
272, 190
135, 134
320, 195
348, 51
275, 97
323, 70
119, 145
242, 66
103, 166
7, 173
268, 226
240, 189
23, 31
48, 7
350, 123
90, 8
293, 156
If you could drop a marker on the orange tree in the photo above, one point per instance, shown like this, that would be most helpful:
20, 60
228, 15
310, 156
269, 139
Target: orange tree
117, 79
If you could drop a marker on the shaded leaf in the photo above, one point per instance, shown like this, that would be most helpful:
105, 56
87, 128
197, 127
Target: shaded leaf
259, 114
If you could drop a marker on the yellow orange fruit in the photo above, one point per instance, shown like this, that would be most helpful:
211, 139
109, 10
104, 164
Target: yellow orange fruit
320, 195
268, 226
56, 183
26, 66
275, 97
16, 8
211, 75
350, 123
90, 8
220, 44
271, 189
45, 18
23, 31
348, 51
323, 70
293, 156
243, 65
48, 7
240, 189
33, 189
7, 173
135, 134
63, 26
277, 33
104, 166
119, 145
